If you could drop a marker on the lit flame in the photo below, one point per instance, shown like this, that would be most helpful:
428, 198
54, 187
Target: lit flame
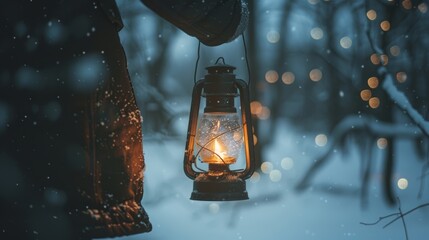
217, 152
219, 149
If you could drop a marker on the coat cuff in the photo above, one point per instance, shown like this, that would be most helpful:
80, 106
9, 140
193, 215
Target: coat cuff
121, 219
213, 22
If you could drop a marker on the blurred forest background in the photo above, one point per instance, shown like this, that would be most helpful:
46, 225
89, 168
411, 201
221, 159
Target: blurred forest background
349, 74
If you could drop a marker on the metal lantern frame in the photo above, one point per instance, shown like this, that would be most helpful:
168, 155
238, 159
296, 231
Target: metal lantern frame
220, 87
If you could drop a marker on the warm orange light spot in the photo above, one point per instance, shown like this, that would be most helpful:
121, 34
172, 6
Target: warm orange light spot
384, 59
255, 139
374, 102
385, 25
219, 149
375, 59
407, 4
371, 15
261, 111
288, 78
373, 82
315, 75
395, 50
271, 76
255, 107
401, 77
219, 154
365, 94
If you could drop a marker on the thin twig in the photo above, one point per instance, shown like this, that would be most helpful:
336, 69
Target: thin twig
403, 219
406, 213
398, 215
379, 220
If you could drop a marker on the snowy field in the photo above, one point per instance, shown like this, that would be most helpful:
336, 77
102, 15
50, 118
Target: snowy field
275, 210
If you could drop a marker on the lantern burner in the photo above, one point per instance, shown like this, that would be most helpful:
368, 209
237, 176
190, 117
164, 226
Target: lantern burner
226, 187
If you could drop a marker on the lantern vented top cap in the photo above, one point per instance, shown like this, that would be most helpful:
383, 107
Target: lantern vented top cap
220, 67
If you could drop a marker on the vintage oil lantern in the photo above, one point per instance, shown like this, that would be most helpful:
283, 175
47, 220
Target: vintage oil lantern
216, 136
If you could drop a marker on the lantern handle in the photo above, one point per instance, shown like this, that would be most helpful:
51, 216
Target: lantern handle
196, 63
223, 60
247, 59
219, 59
192, 127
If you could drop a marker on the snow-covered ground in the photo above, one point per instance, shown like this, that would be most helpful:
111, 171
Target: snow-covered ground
275, 210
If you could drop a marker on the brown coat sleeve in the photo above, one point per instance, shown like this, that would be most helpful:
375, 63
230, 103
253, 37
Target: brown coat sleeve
213, 22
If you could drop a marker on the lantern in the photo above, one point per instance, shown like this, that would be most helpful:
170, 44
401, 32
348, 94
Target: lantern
216, 136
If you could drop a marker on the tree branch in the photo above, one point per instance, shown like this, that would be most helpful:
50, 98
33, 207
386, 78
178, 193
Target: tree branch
350, 124
401, 101
397, 97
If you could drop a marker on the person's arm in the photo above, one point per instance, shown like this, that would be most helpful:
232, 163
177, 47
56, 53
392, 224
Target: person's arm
213, 22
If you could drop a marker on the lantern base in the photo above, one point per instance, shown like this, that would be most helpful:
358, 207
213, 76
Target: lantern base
226, 188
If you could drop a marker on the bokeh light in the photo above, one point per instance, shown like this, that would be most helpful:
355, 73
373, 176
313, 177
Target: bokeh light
407, 4
288, 78
382, 143
371, 14
255, 139
346, 42
384, 59
271, 76
255, 177
316, 33
255, 107
315, 75
402, 183
265, 113
273, 36
365, 94
321, 140
275, 175
395, 50
401, 77
266, 167
423, 7
214, 208
261, 111
373, 82
287, 163
385, 25
374, 102
375, 59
